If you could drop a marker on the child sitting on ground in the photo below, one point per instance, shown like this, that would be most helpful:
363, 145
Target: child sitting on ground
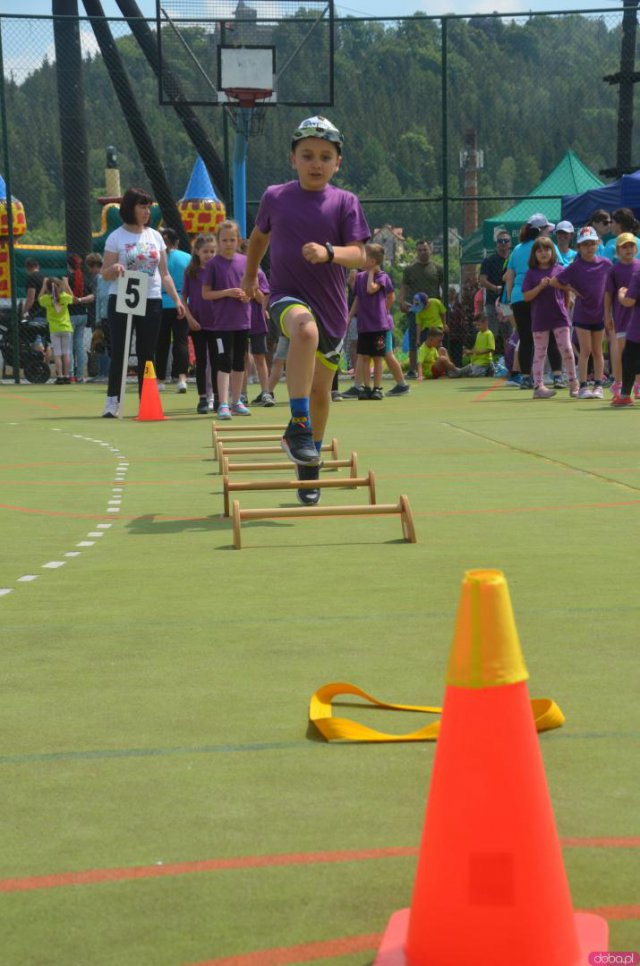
483, 349
434, 361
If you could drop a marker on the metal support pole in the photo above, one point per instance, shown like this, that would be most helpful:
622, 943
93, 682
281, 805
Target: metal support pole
9, 208
445, 160
240, 152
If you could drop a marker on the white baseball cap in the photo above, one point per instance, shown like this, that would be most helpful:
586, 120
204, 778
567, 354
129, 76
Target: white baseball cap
587, 234
540, 221
565, 226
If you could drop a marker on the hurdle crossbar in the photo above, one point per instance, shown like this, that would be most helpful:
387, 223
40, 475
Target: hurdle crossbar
344, 483
262, 438
285, 465
402, 508
331, 447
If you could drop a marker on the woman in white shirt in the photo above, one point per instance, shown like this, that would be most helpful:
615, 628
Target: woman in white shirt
135, 247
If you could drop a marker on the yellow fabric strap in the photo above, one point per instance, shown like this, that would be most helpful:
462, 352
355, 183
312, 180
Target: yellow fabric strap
547, 715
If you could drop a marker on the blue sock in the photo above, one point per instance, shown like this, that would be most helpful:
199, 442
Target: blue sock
318, 444
300, 408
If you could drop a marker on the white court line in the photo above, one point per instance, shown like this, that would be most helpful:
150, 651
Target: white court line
86, 543
95, 533
73, 553
54, 564
5, 590
27, 578
103, 526
113, 509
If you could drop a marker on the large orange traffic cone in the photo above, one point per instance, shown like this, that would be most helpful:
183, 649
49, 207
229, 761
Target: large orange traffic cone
490, 887
150, 405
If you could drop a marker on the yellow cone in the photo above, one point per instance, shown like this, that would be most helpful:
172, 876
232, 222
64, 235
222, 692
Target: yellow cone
486, 648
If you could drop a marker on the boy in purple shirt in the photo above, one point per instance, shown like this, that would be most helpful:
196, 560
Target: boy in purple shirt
587, 277
231, 317
616, 317
316, 231
374, 297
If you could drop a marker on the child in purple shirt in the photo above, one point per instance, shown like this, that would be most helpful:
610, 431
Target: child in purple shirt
616, 316
316, 231
258, 340
630, 298
374, 297
587, 277
231, 317
548, 314
200, 315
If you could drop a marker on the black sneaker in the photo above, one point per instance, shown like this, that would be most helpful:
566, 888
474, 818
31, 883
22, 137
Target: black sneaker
203, 406
258, 400
399, 389
376, 393
308, 497
411, 374
267, 399
336, 396
365, 392
352, 393
298, 444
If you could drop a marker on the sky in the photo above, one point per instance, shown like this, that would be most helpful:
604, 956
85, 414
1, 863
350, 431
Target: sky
26, 44
375, 8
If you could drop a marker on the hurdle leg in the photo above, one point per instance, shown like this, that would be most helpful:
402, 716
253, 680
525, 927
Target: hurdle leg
237, 537
406, 517
371, 483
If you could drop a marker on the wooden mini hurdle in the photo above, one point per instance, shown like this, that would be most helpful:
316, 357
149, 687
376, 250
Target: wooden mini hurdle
263, 438
331, 447
351, 464
226, 427
401, 508
344, 483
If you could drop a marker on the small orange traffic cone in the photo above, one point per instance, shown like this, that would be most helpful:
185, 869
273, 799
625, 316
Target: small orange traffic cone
490, 887
150, 405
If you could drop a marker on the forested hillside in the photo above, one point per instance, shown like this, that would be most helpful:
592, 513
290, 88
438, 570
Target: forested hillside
532, 89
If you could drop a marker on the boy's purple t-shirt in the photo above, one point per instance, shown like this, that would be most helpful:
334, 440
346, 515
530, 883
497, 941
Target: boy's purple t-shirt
258, 314
372, 312
229, 315
590, 279
293, 217
619, 277
548, 310
633, 292
201, 310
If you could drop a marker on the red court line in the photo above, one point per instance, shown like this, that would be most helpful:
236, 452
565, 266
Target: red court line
30, 402
96, 876
616, 913
303, 953
492, 388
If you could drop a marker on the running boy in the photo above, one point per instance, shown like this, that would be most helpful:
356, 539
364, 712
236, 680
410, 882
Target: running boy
316, 231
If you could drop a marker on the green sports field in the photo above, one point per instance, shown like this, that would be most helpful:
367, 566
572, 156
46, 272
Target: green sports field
164, 801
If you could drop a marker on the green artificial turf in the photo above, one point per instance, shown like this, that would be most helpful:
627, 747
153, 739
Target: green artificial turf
155, 688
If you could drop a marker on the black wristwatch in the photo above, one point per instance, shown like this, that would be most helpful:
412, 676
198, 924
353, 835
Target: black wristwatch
330, 251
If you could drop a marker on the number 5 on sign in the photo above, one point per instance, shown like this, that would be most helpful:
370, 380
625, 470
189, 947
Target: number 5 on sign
131, 299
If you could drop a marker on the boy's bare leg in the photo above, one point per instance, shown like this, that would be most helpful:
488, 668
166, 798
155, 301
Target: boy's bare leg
223, 388
237, 380
276, 371
377, 372
303, 335
365, 371
394, 367
260, 362
320, 399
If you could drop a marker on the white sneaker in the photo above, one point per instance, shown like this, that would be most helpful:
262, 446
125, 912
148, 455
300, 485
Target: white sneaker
182, 385
597, 392
210, 403
584, 393
161, 387
110, 408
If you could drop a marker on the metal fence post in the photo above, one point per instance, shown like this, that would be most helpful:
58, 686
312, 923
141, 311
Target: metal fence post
9, 209
445, 159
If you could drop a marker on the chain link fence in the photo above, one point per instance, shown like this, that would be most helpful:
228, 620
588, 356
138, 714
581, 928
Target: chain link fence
454, 126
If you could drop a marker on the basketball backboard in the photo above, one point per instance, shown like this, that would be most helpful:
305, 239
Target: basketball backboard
192, 34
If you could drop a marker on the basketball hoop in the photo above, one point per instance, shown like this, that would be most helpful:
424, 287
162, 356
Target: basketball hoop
247, 107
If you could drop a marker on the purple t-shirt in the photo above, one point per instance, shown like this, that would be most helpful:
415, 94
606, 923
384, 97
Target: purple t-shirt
548, 310
294, 217
619, 277
201, 310
229, 315
590, 279
258, 313
633, 292
372, 312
